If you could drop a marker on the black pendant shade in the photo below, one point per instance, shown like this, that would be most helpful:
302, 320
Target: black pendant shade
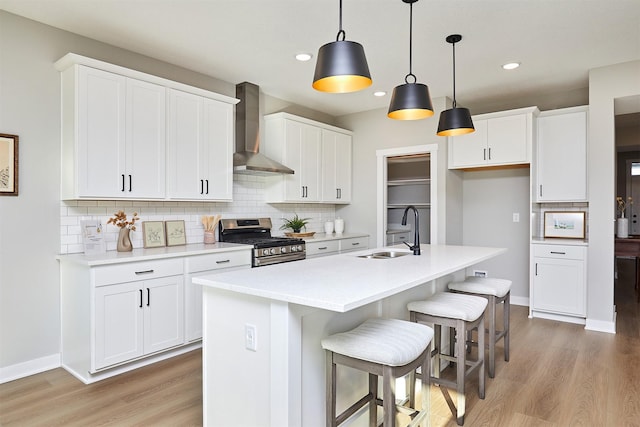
410, 101
341, 67
455, 121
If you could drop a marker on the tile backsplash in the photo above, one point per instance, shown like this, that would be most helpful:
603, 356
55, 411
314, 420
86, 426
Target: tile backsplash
248, 202
539, 209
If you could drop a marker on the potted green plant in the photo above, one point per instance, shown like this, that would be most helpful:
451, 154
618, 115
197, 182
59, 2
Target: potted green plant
295, 224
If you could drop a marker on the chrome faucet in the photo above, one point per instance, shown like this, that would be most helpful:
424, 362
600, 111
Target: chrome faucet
416, 233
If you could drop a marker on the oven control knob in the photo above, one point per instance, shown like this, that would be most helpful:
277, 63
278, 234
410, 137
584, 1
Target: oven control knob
293, 248
300, 248
265, 252
272, 251
283, 250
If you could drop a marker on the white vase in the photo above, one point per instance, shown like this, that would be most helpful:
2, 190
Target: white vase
328, 227
339, 225
623, 228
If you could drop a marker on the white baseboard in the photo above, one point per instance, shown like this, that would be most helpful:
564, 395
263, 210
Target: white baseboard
558, 317
602, 326
31, 367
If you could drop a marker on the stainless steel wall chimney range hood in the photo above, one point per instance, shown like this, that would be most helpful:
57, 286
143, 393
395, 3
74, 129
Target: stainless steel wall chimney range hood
247, 158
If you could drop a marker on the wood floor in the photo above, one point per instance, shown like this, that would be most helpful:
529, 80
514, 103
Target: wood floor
558, 375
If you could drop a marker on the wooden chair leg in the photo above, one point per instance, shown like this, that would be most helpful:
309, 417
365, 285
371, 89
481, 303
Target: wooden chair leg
506, 322
373, 405
331, 391
388, 397
460, 371
492, 336
481, 373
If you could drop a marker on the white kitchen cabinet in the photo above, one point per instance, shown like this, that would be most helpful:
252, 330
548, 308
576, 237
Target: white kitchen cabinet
501, 139
113, 140
354, 244
204, 265
335, 244
336, 167
561, 161
396, 237
558, 284
137, 318
199, 148
319, 154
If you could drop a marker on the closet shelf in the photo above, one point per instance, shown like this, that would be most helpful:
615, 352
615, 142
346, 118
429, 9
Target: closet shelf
404, 205
395, 182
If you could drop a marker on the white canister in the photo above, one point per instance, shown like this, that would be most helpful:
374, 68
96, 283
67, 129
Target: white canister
328, 227
623, 228
339, 225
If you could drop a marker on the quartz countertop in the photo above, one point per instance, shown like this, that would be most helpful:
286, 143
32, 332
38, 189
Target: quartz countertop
323, 237
344, 282
140, 254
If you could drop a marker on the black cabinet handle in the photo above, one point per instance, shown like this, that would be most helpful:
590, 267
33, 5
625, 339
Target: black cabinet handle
223, 261
323, 248
207, 186
484, 153
122, 182
143, 272
355, 244
536, 268
201, 187
489, 153
130, 184
558, 253
140, 298
540, 190
148, 297
337, 193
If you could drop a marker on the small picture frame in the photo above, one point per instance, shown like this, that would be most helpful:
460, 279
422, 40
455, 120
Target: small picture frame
153, 234
8, 165
176, 234
565, 225
93, 236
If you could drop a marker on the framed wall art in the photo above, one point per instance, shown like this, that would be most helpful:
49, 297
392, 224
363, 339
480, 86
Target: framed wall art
176, 234
566, 225
8, 165
153, 234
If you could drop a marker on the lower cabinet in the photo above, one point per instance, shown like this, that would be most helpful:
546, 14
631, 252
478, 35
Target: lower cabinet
335, 245
203, 265
138, 318
559, 280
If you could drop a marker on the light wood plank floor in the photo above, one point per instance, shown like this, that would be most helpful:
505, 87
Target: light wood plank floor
558, 375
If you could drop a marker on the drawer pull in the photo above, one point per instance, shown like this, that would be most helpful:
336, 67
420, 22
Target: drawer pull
355, 244
144, 272
323, 248
223, 261
558, 253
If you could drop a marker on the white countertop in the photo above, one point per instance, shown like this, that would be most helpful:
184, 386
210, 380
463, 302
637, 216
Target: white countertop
557, 241
323, 237
344, 282
140, 254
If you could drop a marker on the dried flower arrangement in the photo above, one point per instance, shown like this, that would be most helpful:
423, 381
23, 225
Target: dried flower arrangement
120, 220
622, 204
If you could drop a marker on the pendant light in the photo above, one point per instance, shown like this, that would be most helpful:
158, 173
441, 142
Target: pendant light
410, 101
455, 121
341, 66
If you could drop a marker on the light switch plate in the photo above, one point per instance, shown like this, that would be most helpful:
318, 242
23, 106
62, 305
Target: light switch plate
516, 217
251, 337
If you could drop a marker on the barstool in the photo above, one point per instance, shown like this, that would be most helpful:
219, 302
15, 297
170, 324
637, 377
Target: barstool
463, 313
496, 291
390, 348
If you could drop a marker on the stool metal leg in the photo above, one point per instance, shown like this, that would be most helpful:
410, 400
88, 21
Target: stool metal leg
330, 390
373, 404
388, 397
507, 313
460, 370
481, 344
492, 336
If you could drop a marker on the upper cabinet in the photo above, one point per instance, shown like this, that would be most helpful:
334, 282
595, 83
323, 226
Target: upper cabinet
561, 161
200, 147
336, 167
114, 135
501, 139
319, 154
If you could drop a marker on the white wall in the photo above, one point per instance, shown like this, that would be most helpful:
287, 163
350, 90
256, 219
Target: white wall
605, 85
490, 198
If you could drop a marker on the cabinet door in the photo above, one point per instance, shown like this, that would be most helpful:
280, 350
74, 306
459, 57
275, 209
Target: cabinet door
507, 140
118, 324
217, 150
163, 313
336, 167
559, 286
101, 133
184, 146
469, 150
562, 157
144, 173
302, 154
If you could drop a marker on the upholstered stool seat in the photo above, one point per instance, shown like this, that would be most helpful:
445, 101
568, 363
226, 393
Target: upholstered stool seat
496, 291
390, 348
462, 313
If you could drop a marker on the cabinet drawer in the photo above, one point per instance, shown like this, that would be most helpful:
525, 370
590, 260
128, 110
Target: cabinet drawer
559, 251
326, 247
354, 244
133, 271
216, 261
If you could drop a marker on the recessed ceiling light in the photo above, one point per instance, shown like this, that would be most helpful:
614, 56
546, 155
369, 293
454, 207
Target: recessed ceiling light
511, 65
303, 57
379, 93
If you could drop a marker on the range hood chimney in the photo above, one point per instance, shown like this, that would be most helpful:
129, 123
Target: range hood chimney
247, 158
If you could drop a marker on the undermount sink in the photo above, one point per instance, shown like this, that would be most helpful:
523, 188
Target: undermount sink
384, 255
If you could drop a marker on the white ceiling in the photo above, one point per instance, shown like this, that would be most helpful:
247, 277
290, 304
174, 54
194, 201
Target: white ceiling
557, 42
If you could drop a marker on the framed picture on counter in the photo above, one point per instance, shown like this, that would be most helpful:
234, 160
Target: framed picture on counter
153, 234
176, 234
566, 225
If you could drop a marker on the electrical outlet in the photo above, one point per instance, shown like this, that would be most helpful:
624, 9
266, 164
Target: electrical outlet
480, 273
516, 217
251, 337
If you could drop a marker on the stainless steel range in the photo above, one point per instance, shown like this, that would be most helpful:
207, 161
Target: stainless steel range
267, 250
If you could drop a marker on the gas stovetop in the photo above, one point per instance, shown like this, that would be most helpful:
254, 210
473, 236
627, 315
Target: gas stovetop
257, 232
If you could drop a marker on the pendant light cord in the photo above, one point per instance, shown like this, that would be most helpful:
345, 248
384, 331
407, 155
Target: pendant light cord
454, 74
406, 78
340, 30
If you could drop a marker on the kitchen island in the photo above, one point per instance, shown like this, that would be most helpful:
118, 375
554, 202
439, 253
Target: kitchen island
263, 327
